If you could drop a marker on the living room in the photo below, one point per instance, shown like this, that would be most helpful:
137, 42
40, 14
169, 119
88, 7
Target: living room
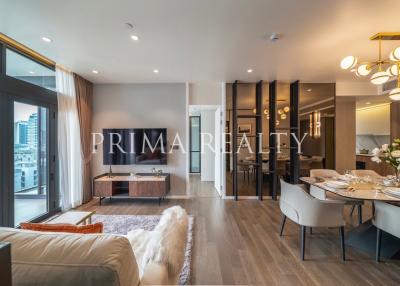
178, 142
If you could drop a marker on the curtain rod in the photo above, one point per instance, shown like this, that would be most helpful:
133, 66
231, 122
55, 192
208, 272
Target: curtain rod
24, 49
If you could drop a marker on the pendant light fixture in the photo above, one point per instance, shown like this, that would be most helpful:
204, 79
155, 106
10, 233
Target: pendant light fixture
394, 94
382, 69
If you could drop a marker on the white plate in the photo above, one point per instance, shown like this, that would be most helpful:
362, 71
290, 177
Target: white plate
337, 184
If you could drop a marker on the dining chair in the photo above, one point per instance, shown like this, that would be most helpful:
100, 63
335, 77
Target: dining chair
301, 208
365, 173
324, 195
386, 218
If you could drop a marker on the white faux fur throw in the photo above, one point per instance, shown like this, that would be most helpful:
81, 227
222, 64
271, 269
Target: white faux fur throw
165, 244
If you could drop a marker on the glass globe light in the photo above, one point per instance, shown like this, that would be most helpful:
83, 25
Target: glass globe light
280, 111
283, 116
254, 111
395, 55
277, 122
393, 70
395, 94
265, 111
363, 70
348, 62
379, 77
286, 109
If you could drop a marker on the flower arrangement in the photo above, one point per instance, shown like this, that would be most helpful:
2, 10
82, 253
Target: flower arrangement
390, 154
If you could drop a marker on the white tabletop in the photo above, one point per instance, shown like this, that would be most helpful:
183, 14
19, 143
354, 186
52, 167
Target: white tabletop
131, 178
362, 191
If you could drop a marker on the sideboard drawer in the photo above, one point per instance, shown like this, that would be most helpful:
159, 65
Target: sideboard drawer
103, 189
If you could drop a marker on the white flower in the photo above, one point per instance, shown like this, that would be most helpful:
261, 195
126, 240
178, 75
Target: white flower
376, 159
395, 154
376, 151
385, 147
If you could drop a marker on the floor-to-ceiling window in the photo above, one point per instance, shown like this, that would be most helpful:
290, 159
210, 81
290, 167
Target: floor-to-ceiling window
28, 106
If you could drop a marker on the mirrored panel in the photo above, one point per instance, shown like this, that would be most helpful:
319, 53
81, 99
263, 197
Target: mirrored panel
317, 125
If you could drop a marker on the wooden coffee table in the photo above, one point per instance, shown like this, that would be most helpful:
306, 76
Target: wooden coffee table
73, 217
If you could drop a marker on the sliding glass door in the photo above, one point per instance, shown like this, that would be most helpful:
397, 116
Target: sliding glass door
28, 109
30, 161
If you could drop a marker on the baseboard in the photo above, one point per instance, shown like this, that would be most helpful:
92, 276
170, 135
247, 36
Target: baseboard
179, 197
247, 197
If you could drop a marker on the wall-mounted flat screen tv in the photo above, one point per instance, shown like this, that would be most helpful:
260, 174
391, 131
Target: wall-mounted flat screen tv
135, 146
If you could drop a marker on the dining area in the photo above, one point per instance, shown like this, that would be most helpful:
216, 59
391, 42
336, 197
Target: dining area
322, 199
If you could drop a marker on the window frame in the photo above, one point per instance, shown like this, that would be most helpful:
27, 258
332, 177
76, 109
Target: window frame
11, 90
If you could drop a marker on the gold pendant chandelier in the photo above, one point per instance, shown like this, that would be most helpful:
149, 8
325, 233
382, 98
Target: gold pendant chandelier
382, 69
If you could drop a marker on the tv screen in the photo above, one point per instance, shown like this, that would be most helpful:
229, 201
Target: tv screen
135, 146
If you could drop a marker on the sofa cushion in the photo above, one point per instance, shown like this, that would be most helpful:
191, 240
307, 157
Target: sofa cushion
44, 258
64, 227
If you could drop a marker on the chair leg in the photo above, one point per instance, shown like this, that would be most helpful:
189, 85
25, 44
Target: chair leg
282, 224
303, 241
352, 210
310, 230
360, 220
378, 244
342, 245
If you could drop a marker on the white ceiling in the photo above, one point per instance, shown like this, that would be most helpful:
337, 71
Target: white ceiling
207, 40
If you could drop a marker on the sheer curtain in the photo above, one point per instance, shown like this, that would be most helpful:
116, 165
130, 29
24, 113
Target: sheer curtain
69, 141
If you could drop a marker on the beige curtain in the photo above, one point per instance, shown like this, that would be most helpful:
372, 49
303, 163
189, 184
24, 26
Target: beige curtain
84, 95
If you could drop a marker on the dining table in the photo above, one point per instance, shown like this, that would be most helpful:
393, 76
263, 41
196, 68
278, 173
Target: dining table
363, 236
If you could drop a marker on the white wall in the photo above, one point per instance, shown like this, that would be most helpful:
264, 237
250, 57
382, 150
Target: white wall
207, 156
374, 120
205, 93
143, 106
355, 89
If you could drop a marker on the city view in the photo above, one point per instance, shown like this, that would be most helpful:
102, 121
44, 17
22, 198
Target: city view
30, 161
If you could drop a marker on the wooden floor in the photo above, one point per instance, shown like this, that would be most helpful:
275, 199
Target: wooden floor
239, 243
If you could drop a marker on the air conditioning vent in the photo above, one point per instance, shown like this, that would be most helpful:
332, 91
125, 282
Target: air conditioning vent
387, 87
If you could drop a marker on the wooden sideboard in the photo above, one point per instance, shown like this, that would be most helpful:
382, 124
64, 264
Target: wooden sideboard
142, 185
382, 169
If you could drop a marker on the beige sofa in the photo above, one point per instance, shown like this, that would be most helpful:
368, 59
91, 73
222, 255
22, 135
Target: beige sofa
58, 259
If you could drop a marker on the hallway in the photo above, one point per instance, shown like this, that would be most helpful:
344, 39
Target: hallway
198, 188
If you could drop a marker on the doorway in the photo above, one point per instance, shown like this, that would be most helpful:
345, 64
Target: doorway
205, 163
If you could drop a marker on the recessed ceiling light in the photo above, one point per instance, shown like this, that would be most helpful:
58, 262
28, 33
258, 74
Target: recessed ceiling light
47, 40
156, 71
249, 70
309, 90
135, 37
95, 71
32, 72
368, 103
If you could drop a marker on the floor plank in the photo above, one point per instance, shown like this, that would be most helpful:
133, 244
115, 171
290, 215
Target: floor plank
239, 243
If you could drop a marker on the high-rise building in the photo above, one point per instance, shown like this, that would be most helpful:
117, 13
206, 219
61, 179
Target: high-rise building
32, 139
21, 132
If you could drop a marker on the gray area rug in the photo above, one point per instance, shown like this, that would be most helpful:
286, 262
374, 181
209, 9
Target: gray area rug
121, 224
